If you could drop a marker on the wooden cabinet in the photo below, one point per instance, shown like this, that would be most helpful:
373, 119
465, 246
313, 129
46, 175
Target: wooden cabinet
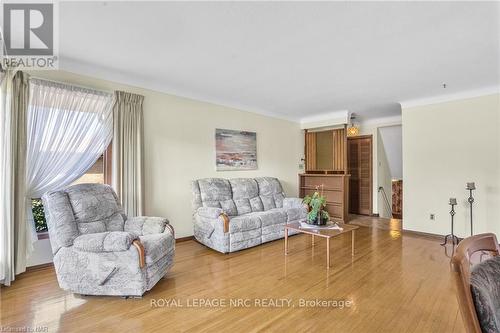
326, 151
359, 157
326, 169
335, 187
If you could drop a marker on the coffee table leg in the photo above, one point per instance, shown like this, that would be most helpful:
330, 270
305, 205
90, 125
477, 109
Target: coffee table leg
328, 253
352, 241
286, 241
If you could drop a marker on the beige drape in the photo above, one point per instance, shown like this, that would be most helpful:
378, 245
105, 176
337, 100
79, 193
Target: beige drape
16, 236
127, 152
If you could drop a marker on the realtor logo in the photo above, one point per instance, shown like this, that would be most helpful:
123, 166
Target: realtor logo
29, 36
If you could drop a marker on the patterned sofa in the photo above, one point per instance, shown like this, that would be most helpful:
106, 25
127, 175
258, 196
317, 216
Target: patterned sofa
235, 214
98, 250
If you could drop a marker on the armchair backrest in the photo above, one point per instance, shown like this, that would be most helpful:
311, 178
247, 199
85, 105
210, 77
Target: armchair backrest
472, 281
238, 196
81, 209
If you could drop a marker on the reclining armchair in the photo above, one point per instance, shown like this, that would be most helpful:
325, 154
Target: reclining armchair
98, 250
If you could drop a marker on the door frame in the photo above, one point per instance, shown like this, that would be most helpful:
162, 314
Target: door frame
366, 136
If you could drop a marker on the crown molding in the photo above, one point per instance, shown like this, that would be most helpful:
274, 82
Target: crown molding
382, 122
450, 97
332, 118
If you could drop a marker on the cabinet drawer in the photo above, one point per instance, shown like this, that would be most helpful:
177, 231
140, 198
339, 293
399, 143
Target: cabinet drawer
327, 182
331, 196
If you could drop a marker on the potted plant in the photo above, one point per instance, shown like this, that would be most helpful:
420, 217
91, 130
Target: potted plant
317, 215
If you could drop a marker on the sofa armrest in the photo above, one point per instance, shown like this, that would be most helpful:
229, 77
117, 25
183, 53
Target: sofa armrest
146, 225
210, 212
110, 241
293, 203
212, 216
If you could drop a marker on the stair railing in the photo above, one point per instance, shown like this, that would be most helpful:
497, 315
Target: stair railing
388, 206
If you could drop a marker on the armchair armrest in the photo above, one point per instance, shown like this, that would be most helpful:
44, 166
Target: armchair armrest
110, 241
146, 225
214, 214
293, 203
142, 253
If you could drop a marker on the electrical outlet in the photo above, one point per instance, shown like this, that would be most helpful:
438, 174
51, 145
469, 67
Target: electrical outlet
432, 217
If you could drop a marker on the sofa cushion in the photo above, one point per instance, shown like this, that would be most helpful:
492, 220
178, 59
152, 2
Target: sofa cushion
278, 199
296, 213
244, 222
216, 192
244, 188
110, 241
60, 220
92, 203
95, 208
145, 225
243, 206
229, 207
256, 204
246, 195
113, 223
270, 192
268, 202
156, 246
214, 189
272, 217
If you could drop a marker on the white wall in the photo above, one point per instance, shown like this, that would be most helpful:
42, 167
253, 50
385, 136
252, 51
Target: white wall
180, 146
392, 137
384, 178
446, 145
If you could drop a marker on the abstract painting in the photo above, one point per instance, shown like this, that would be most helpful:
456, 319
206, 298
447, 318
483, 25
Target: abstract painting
235, 150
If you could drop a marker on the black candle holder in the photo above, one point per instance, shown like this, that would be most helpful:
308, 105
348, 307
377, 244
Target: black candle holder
471, 187
453, 202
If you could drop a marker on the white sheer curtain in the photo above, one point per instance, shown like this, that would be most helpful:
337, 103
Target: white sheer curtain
68, 128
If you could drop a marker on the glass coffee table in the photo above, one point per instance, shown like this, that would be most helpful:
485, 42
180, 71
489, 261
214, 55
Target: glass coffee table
322, 232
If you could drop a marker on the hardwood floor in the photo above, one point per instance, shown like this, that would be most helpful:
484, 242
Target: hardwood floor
396, 283
376, 222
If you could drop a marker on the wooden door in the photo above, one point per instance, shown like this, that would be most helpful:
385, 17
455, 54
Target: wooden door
359, 161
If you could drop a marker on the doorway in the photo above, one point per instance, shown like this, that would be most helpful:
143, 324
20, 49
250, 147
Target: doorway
359, 165
390, 171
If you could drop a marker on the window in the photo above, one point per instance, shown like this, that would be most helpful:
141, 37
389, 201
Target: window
99, 173
94, 175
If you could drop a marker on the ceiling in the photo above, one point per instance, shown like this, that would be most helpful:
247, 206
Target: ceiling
288, 59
